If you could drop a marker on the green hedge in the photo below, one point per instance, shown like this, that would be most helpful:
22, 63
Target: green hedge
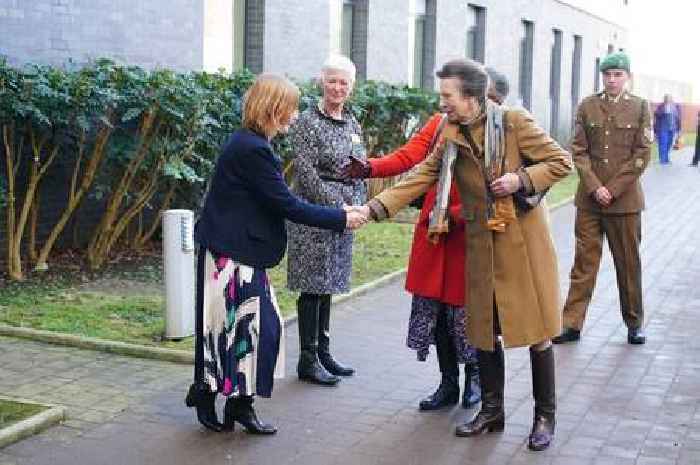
139, 140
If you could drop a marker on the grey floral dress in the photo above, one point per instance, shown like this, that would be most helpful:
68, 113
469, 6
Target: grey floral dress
320, 261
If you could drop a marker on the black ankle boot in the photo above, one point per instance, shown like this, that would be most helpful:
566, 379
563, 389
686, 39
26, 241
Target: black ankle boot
472, 388
240, 410
201, 398
545, 400
491, 416
446, 394
309, 367
333, 366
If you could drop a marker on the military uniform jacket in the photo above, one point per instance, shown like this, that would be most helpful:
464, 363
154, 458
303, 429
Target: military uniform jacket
611, 147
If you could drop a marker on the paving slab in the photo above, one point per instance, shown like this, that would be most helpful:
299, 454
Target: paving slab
617, 404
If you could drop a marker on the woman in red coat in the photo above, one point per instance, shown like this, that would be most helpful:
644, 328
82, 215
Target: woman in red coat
436, 276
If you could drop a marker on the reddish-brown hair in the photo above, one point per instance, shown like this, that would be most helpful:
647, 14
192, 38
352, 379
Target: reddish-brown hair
270, 101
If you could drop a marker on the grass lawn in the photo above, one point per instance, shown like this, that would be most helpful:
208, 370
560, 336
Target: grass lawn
12, 412
563, 190
689, 139
128, 304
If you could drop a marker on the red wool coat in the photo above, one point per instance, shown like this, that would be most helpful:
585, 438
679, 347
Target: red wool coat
437, 270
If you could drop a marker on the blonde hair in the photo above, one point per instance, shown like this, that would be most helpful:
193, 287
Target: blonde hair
270, 101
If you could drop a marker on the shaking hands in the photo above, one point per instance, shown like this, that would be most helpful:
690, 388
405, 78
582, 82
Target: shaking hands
357, 216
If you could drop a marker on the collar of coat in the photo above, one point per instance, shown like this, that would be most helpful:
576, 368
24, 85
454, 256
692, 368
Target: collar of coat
476, 127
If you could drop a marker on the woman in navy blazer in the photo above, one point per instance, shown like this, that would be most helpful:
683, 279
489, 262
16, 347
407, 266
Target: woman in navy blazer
239, 343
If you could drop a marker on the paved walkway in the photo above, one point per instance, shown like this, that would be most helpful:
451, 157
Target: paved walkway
618, 404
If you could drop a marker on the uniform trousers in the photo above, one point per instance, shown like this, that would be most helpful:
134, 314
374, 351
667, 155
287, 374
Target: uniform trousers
624, 233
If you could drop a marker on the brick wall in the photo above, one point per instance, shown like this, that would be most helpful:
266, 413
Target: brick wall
148, 33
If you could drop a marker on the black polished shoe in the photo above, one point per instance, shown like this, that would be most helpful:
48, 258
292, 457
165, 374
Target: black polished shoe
203, 400
472, 388
567, 335
333, 366
488, 419
636, 336
446, 394
541, 434
240, 410
310, 369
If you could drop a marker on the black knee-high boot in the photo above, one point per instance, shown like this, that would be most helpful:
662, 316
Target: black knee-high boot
199, 395
309, 367
240, 410
491, 416
333, 366
543, 391
447, 392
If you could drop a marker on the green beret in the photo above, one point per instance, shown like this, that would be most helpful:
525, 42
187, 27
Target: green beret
617, 60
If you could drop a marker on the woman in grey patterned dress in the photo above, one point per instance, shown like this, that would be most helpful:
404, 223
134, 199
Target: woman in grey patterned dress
320, 261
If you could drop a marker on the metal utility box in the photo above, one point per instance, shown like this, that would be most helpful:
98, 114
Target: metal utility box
179, 271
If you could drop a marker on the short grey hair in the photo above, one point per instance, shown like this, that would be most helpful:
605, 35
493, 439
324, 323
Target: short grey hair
339, 63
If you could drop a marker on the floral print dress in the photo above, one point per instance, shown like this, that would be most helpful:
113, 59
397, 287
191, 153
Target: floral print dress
320, 261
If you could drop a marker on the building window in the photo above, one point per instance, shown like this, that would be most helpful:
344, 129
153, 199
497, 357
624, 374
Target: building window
353, 33
476, 33
248, 34
555, 82
239, 27
419, 44
576, 71
346, 28
527, 47
424, 44
596, 79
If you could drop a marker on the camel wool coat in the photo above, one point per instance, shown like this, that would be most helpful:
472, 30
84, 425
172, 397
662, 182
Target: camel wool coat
513, 273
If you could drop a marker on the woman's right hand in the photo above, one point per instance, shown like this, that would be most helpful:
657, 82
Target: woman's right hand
355, 217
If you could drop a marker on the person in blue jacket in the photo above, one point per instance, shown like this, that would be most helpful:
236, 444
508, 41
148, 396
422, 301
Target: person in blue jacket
667, 125
239, 345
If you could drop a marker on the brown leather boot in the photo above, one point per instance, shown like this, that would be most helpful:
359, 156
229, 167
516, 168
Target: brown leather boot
491, 416
545, 400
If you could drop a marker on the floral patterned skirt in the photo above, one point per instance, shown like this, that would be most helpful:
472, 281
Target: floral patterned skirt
242, 331
422, 324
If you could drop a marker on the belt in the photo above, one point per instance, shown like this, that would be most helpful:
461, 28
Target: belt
346, 181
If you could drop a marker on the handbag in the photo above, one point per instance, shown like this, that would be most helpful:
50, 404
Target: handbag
523, 202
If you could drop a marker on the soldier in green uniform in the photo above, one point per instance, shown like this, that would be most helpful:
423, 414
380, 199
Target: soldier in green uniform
611, 149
